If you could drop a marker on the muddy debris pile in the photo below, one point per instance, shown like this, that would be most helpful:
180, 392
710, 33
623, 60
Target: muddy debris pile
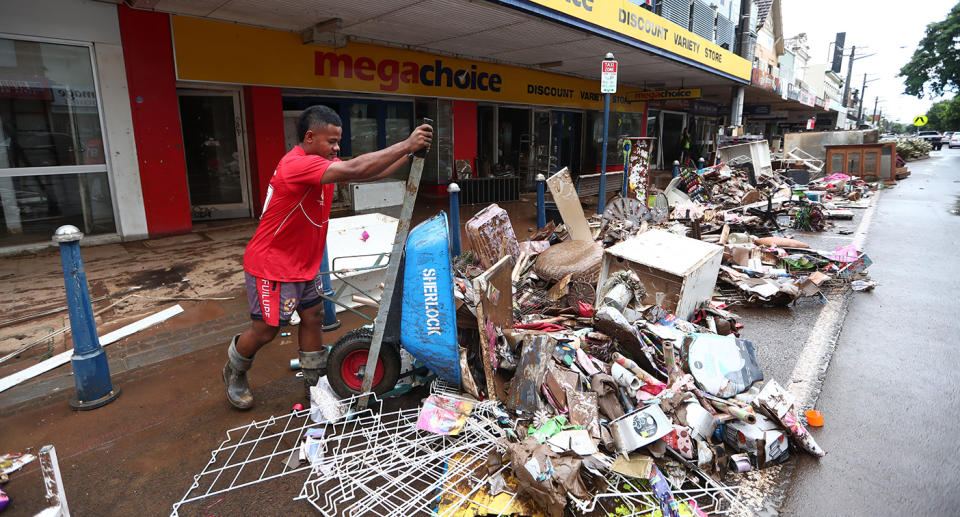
617, 356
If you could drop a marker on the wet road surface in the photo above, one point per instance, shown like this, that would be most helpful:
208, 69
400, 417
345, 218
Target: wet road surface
890, 398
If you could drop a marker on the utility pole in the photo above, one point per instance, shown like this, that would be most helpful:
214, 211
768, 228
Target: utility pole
846, 83
863, 90
874, 117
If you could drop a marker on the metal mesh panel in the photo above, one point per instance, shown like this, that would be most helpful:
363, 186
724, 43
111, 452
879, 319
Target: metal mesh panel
725, 32
703, 17
489, 190
677, 11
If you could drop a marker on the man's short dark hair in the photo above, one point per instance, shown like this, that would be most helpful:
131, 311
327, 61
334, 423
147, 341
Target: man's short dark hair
316, 116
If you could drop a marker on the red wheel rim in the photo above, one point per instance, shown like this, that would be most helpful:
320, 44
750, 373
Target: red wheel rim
350, 370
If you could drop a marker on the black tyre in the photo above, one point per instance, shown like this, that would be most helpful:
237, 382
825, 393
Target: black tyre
349, 354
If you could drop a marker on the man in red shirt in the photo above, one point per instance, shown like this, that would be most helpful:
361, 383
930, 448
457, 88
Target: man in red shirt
283, 257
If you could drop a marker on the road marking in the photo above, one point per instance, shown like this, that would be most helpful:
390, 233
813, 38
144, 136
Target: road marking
807, 376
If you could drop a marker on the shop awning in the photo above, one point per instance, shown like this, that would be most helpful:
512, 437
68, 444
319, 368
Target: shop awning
521, 34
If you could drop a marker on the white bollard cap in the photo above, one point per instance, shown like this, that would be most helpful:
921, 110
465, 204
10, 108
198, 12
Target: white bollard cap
67, 233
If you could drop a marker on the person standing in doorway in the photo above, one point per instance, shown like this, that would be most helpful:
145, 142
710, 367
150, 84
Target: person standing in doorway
282, 259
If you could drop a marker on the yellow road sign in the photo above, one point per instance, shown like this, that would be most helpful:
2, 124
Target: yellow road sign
920, 120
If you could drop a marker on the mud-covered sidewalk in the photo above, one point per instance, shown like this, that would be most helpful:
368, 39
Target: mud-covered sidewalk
139, 453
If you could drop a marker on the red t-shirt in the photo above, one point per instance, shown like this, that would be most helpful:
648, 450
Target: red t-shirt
288, 244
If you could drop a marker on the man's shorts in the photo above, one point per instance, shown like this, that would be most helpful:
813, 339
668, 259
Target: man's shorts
274, 302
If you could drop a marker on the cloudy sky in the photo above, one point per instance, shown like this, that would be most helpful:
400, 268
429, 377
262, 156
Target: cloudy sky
890, 29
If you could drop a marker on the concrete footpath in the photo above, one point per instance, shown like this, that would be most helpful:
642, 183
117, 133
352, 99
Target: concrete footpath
139, 454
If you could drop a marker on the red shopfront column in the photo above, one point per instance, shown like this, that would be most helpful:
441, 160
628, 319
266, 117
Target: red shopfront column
151, 80
465, 133
646, 114
264, 111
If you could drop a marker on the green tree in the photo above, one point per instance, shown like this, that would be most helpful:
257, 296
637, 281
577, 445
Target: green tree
935, 64
897, 128
944, 115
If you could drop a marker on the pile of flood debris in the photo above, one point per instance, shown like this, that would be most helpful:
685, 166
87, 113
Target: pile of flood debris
602, 370
612, 345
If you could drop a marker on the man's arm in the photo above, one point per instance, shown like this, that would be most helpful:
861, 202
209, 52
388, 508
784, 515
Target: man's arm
389, 171
371, 166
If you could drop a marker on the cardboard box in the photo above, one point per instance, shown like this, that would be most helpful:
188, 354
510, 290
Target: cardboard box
677, 272
763, 441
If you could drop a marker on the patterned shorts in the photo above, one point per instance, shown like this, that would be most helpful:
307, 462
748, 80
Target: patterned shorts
274, 302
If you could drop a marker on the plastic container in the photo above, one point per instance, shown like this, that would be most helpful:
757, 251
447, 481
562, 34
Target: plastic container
814, 418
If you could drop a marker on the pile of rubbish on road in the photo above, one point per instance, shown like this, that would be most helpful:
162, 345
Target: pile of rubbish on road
911, 148
601, 366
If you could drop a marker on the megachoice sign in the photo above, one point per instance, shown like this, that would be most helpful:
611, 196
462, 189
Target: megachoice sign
253, 55
668, 94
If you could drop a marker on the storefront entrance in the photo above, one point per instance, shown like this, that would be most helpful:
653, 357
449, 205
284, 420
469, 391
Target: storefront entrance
565, 143
216, 165
671, 128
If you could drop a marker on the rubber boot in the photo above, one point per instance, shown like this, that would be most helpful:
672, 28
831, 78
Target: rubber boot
235, 377
313, 365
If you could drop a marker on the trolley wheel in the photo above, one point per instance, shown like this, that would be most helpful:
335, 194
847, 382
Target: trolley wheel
349, 356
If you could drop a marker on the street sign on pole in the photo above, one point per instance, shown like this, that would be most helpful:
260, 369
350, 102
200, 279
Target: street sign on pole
920, 120
608, 76
608, 85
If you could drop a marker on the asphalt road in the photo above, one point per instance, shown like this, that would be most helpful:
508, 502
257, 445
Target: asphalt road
891, 396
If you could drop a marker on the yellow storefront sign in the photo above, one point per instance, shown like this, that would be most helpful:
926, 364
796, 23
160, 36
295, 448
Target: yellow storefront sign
631, 20
212, 51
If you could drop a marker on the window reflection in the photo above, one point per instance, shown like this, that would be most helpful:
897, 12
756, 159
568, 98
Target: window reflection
35, 206
48, 106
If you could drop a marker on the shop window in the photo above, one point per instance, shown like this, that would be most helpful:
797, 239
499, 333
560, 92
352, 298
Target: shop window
397, 122
52, 162
620, 125
438, 170
35, 206
363, 128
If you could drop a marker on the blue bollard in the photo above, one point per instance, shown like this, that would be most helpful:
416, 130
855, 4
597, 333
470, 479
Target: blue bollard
91, 373
676, 168
330, 321
541, 201
454, 190
700, 163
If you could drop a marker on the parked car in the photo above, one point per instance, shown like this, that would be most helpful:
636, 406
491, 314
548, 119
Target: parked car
933, 138
954, 140
945, 139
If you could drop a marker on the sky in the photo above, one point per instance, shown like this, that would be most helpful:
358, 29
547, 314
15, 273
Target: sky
890, 29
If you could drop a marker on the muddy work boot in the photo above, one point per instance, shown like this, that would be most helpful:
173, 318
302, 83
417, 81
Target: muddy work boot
314, 366
235, 377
